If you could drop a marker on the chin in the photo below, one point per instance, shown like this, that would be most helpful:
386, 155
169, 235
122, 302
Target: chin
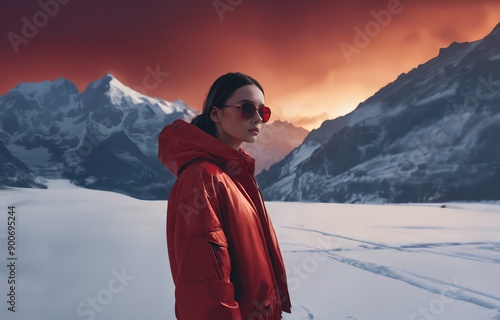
251, 139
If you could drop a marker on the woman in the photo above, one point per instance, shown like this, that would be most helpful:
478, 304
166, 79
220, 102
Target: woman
224, 255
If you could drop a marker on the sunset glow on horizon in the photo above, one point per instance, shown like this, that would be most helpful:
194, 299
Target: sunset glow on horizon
316, 60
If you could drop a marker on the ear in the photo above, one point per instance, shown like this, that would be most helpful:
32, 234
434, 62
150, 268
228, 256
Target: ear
214, 115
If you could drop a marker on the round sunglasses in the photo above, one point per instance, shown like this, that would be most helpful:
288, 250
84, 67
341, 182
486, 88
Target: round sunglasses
248, 109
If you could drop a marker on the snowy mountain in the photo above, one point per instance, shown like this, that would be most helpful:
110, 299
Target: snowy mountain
15, 173
431, 135
275, 141
103, 138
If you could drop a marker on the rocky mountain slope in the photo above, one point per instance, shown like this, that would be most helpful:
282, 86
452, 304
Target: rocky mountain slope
431, 135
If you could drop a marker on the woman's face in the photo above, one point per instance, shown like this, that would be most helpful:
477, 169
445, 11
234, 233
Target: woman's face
231, 128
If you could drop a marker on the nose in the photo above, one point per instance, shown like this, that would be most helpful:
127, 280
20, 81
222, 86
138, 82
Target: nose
258, 116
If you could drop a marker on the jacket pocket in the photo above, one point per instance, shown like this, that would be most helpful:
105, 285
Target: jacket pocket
196, 259
220, 255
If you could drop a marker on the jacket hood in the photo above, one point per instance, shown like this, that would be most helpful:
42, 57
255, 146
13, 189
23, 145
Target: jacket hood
181, 142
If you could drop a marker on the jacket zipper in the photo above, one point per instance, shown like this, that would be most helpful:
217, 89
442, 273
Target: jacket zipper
275, 282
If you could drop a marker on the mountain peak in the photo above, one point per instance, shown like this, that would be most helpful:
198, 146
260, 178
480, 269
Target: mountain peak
108, 80
494, 35
43, 87
496, 30
109, 77
453, 48
111, 87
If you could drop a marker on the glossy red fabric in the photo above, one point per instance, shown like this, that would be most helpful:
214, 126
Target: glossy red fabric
222, 247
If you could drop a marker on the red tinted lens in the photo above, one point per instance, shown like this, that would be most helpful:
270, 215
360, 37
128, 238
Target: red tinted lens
265, 114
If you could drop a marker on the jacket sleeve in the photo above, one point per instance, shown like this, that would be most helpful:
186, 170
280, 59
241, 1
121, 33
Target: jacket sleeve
198, 250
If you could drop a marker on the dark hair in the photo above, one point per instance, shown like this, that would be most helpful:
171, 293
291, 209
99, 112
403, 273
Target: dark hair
221, 90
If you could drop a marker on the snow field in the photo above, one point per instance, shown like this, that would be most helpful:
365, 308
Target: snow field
88, 254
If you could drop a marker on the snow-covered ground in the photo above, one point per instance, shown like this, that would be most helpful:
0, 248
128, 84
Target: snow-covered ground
86, 254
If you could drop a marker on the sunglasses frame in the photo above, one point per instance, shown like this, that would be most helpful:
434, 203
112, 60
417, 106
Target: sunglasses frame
255, 109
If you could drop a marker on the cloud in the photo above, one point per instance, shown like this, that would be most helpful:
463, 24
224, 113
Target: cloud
309, 121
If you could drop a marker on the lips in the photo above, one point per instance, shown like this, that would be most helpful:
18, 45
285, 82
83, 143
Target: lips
254, 130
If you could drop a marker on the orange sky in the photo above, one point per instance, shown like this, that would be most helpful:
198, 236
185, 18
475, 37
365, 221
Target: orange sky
293, 48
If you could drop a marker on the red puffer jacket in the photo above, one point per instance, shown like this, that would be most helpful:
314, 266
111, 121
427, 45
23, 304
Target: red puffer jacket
224, 255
